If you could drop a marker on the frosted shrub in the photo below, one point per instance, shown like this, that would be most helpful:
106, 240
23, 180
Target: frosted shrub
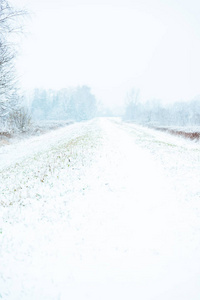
19, 120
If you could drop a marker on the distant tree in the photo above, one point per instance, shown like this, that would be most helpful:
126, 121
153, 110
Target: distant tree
194, 111
132, 107
84, 104
40, 104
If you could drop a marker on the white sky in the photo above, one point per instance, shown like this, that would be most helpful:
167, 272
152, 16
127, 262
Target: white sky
113, 46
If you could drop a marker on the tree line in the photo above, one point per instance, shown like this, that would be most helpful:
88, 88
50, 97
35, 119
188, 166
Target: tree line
156, 113
75, 104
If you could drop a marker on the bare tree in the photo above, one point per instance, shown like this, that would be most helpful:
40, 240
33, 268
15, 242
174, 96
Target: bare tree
133, 103
9, 19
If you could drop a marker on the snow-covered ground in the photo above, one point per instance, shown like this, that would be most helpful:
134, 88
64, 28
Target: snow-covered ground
100, 210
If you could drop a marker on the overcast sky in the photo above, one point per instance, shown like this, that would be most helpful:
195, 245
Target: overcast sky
113, 46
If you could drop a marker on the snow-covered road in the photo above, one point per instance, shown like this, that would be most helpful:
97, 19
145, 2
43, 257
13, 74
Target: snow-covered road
100, 210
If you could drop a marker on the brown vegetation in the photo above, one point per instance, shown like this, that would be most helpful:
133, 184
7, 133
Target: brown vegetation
4, 134
189, 135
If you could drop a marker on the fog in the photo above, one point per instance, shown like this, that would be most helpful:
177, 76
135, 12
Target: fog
113, 47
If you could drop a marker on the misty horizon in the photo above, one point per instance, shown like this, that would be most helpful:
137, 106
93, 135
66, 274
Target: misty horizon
113, 48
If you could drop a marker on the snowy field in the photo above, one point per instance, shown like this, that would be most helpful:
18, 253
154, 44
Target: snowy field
100, 210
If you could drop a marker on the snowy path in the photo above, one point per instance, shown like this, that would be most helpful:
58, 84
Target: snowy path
100, 210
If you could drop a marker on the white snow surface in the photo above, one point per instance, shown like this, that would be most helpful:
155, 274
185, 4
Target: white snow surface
100, 210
